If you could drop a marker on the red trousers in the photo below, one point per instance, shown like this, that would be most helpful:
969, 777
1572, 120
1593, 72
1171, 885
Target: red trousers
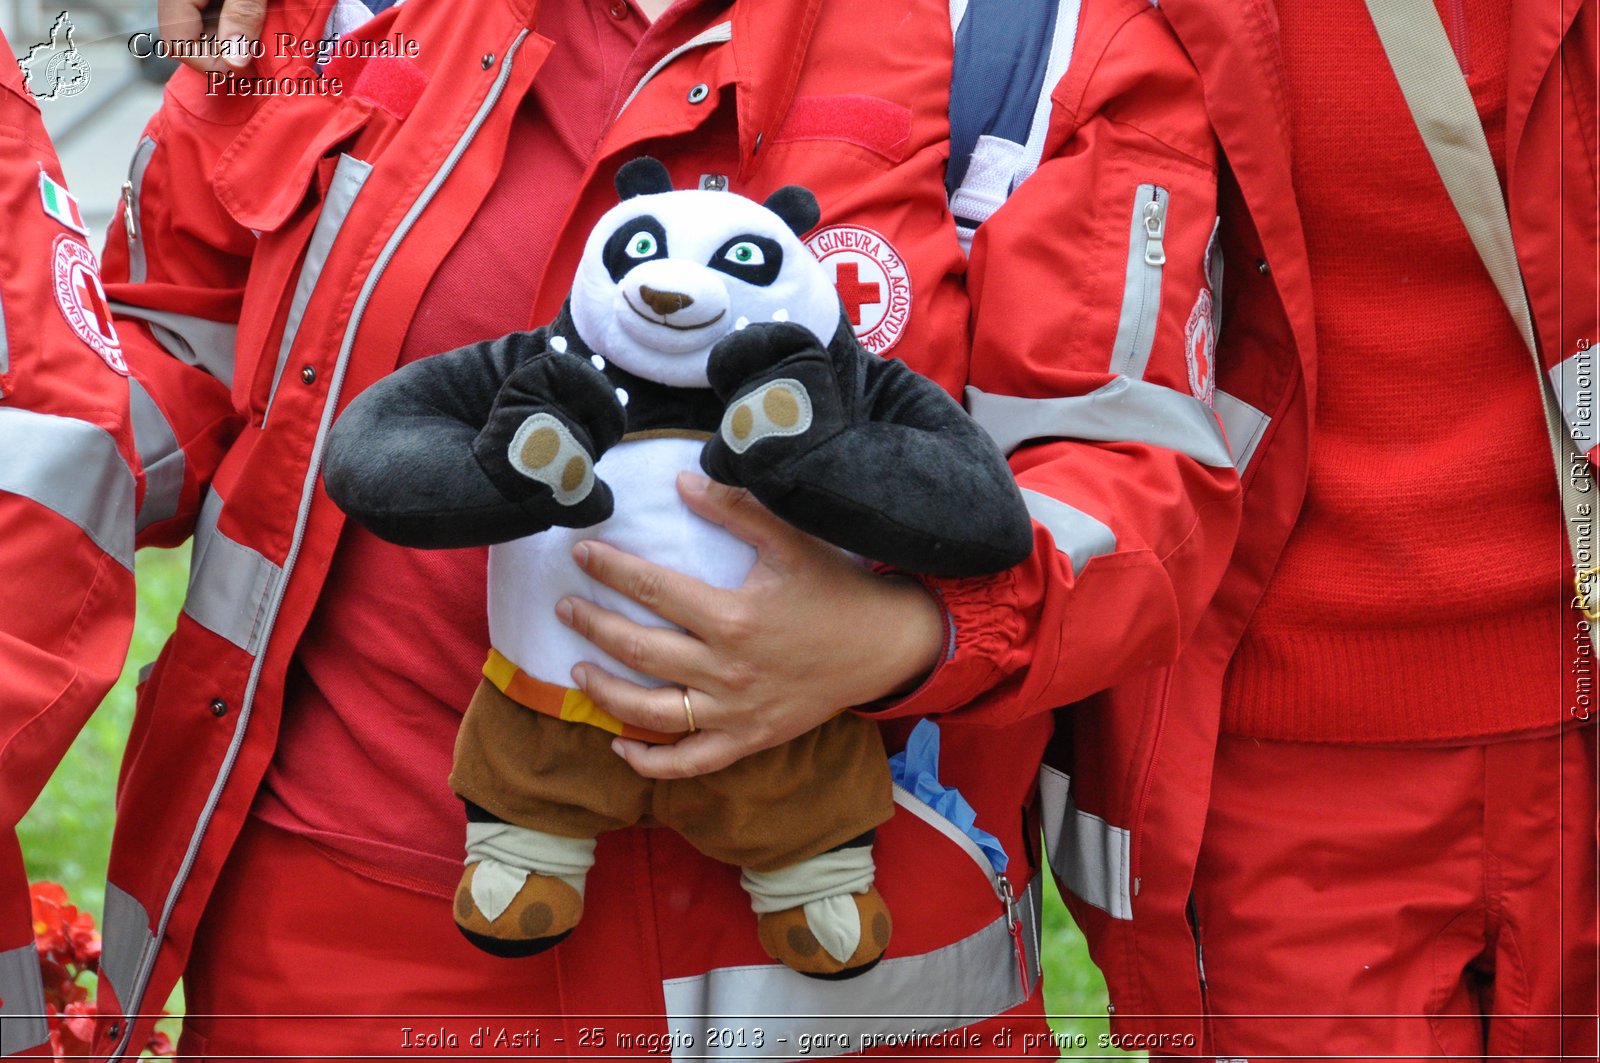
299, 957
1359, 902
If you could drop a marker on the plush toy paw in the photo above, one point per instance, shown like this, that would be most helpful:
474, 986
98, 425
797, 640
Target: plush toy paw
541, 914
552, 419
781, 389
810, 938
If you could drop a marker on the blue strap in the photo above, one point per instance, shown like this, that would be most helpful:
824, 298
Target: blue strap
1002, 49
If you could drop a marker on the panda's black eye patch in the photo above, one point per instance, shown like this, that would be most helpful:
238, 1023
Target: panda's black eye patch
753, 259
638, 240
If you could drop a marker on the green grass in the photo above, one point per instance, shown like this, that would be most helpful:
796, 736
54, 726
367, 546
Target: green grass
66, 836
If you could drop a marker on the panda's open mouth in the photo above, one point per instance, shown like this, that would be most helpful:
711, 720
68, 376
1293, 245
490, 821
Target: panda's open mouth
654, 320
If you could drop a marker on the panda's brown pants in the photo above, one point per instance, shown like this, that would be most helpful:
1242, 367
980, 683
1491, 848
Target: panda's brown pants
768, 811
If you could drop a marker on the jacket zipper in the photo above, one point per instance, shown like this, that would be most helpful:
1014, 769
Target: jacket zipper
130, 1007
132, 189
1141, 293
997, 879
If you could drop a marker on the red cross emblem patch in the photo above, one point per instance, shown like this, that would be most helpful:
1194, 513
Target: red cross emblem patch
873, 282
83, 301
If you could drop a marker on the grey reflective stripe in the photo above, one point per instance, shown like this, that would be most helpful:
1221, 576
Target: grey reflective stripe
1141, 289
196, 341
160, 455
229, 583
308, 490
1078, 535
5, 344
1090, 857
126, 941
137, 270
721, 33
349, 175
1123, 411
22, 1019
905, 1001
1574, 384
1244, 424
72, 468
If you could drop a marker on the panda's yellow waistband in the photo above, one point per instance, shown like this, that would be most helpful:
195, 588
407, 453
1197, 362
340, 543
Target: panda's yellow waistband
563, 703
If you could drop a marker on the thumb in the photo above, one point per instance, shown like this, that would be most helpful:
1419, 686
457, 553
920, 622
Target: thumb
239, 29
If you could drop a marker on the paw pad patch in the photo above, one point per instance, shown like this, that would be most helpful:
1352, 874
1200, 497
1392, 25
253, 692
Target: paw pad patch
781, 408
544, 450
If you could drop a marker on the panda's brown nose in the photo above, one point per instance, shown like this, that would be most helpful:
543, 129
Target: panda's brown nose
664, 303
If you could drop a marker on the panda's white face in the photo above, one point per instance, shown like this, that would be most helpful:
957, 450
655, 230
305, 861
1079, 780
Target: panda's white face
665, 276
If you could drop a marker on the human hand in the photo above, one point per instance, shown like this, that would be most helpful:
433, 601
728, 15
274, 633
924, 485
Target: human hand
808, 634
238, 30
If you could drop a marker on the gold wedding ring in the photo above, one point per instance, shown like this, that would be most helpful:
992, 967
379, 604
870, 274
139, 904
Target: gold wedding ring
688, 711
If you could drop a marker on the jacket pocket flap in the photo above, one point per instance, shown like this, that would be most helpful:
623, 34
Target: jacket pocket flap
263, 176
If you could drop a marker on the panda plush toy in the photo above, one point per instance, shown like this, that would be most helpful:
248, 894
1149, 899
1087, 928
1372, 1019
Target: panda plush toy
699, 332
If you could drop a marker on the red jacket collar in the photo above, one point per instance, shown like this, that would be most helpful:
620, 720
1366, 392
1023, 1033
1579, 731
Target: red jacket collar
1235, 47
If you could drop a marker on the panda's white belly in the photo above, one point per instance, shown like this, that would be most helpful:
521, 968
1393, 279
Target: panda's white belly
527, 577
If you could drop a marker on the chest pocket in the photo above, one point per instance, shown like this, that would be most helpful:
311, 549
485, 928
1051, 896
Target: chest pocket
289, 177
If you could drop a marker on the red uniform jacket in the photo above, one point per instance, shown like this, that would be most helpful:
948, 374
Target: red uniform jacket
282, 244
67, 497
1130, 836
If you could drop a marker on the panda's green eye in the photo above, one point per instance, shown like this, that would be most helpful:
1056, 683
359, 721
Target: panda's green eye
642, 246
746, 254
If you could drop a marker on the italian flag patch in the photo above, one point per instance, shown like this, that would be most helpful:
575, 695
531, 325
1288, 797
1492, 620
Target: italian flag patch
61, 204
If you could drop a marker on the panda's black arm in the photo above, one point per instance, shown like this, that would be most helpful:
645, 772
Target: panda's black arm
891, 468
401, 459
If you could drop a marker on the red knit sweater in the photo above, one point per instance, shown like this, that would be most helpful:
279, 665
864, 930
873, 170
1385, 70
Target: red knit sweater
1422, 594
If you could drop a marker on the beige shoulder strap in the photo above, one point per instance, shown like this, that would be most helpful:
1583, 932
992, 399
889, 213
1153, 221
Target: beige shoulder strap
1441, 104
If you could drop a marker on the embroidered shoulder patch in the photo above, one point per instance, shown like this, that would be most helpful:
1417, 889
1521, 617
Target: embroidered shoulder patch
1200, 347
60, 204
872, 280
76, 281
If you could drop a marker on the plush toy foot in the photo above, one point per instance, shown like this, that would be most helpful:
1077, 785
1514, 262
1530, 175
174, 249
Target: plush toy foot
539, 917
796, 937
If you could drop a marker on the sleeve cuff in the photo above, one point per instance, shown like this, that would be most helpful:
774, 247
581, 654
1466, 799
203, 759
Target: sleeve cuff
978, 613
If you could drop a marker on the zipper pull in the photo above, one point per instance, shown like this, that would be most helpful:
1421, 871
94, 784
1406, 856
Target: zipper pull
1155, 226
1014, 924
128, 222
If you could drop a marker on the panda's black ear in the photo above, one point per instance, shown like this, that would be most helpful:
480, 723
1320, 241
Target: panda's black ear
797, 206
643, 176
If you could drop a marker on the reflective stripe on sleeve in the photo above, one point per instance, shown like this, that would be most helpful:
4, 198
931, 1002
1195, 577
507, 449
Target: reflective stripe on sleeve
1078, 535
126, 942
1089, 856
160, 455
196, 341
1245, 426
1122, 411
22, 1018
1574, 384
349, 175
902, 999
74, 469
229, 583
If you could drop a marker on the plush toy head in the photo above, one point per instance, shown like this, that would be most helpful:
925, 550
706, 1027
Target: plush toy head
666, 274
